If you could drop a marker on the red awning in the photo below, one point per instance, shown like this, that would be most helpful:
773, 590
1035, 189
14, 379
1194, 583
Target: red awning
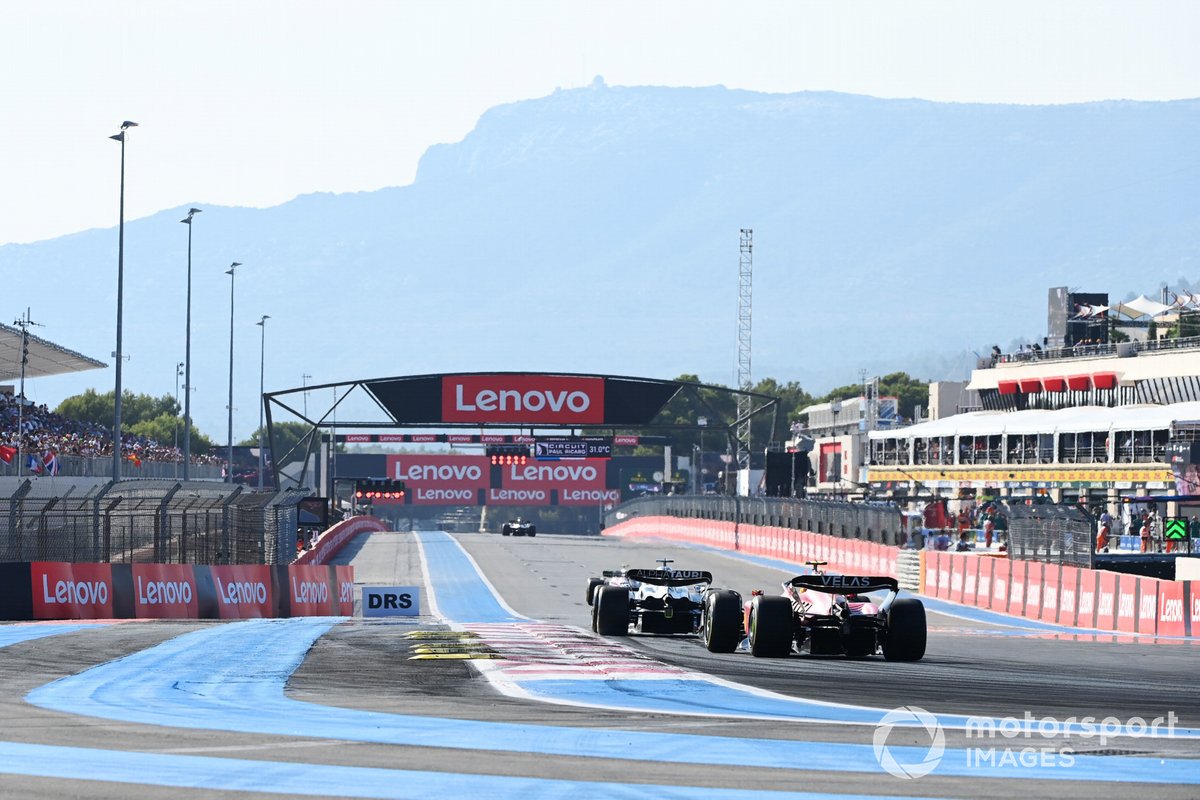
1079, 383
1055, 384
1030, 385
1007, 387
1104, 380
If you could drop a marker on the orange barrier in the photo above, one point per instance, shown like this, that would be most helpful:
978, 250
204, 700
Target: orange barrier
334, 539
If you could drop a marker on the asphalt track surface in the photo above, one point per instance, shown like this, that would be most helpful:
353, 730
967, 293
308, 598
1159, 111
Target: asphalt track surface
351, 715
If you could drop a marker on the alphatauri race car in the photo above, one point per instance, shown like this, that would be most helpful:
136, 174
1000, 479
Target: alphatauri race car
823, 614
518, 527
669, 601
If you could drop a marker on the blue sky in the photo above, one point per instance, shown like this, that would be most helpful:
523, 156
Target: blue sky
254, 103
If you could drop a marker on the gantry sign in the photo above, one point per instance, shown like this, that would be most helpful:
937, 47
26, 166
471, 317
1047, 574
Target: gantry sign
587, 405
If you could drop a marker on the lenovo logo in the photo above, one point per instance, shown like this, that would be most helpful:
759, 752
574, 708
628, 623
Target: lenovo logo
522, 398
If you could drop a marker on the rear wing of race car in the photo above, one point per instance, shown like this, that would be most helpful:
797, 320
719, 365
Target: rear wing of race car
669, 577
845, 584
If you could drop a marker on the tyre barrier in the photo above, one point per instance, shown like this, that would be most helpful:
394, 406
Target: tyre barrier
1062, 595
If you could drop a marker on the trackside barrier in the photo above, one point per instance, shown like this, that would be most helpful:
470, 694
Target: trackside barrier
1063, 595
334, 539
49, 590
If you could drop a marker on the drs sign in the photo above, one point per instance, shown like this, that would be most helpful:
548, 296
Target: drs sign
391, 601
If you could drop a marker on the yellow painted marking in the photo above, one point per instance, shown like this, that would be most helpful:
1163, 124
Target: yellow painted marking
441, 635
451, 649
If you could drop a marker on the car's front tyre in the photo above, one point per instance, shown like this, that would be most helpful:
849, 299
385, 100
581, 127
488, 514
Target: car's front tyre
722, 621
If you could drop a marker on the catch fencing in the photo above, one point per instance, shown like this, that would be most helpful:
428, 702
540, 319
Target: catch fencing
90, 467
148, 521
871, 522
1051, 533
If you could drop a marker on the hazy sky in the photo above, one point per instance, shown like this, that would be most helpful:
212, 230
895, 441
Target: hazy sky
253, 103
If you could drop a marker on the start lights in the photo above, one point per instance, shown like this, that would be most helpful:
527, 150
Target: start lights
502, 455
366, 489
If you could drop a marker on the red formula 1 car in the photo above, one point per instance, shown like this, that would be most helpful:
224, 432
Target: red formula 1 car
824, 614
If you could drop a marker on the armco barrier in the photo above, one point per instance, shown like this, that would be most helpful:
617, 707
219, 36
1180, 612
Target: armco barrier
47, 590
1064, 595
335, 539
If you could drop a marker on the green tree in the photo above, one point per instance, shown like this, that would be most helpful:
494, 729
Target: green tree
909, 392
165, 428
287, 436
98, 408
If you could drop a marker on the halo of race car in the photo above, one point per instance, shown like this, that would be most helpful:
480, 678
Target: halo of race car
816, 614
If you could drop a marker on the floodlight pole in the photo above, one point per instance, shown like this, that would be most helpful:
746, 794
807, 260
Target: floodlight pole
262, 362
187, 355
118, 354
229, 460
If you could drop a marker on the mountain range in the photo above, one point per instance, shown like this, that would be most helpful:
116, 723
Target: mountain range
597, 230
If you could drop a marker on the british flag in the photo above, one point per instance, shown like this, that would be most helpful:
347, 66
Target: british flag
50, 462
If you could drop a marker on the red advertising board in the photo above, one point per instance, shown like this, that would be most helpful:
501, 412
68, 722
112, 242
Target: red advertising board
165, 591
1171, 608
1068, 596
577, 482
343, 582
1033, 590
308, 590
983, 584
970, 570
1106, 600
527, 399
957, 565
1016, 588
1127, 586
1088, 599
71, 591
1002, 573
243, 592
1147, 616
1051, 574
440, 479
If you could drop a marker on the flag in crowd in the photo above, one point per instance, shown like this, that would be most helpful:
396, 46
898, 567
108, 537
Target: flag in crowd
50, 462
33, 464
135, 458
7, 453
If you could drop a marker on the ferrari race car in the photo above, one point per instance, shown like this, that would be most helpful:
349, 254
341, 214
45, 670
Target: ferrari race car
669, 601
831, 615
518, 527
613, 577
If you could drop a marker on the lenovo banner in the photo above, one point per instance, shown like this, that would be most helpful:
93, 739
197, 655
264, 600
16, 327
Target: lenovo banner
579, 482
522, 398
434, 479
309, 593
550, 399
71, 591
243, 592
164, 591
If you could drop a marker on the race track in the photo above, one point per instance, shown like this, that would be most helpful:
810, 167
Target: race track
335, 707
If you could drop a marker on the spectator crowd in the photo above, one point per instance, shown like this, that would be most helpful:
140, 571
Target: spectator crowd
39, 431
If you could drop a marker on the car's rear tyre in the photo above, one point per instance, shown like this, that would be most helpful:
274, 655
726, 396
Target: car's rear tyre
611, 611
906, 631
722, 621
533, 531
770, 627
504, 532
591, 590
